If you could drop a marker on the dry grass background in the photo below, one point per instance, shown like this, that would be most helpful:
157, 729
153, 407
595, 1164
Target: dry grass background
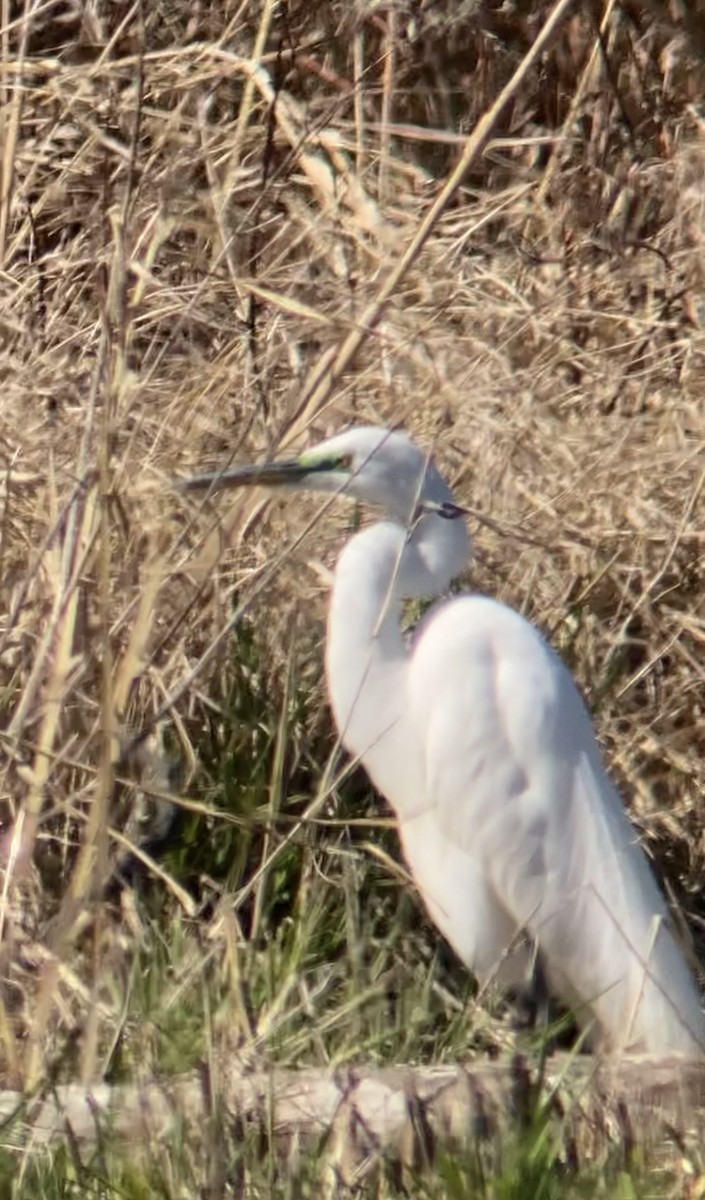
197, 204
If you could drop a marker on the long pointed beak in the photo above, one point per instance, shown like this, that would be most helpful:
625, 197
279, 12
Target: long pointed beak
273, 474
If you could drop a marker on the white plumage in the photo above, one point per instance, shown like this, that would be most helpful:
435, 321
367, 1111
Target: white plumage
477, 736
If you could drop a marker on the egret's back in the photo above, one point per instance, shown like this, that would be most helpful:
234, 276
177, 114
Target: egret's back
515, 781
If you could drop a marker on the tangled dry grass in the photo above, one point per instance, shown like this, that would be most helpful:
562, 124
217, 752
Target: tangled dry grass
199, 210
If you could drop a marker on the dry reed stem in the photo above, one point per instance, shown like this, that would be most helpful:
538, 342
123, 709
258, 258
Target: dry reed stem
385, 140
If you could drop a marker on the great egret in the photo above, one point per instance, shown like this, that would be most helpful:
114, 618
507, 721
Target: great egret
478, 737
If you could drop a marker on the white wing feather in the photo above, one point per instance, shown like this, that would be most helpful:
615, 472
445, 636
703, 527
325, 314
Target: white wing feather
518, 795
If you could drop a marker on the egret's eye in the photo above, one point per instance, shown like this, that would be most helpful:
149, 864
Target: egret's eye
344, 462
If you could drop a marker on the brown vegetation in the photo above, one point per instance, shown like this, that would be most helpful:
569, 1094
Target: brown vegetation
200, 206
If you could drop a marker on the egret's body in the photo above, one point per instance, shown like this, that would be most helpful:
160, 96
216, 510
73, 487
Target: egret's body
478, 738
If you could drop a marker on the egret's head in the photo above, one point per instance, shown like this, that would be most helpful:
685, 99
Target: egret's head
378, 466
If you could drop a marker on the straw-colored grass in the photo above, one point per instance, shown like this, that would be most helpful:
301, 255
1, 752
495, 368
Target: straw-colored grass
225, 230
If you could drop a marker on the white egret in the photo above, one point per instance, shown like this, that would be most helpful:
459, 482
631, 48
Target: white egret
478, 738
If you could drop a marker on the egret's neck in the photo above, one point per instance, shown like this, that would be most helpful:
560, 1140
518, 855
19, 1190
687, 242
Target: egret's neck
366, 659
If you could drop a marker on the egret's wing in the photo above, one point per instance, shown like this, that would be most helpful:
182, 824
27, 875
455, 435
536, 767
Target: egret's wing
514, 778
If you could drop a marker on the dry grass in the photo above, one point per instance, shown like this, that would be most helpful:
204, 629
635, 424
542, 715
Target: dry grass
200, 209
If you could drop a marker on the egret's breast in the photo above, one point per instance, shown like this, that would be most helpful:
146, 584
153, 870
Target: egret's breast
459, 901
